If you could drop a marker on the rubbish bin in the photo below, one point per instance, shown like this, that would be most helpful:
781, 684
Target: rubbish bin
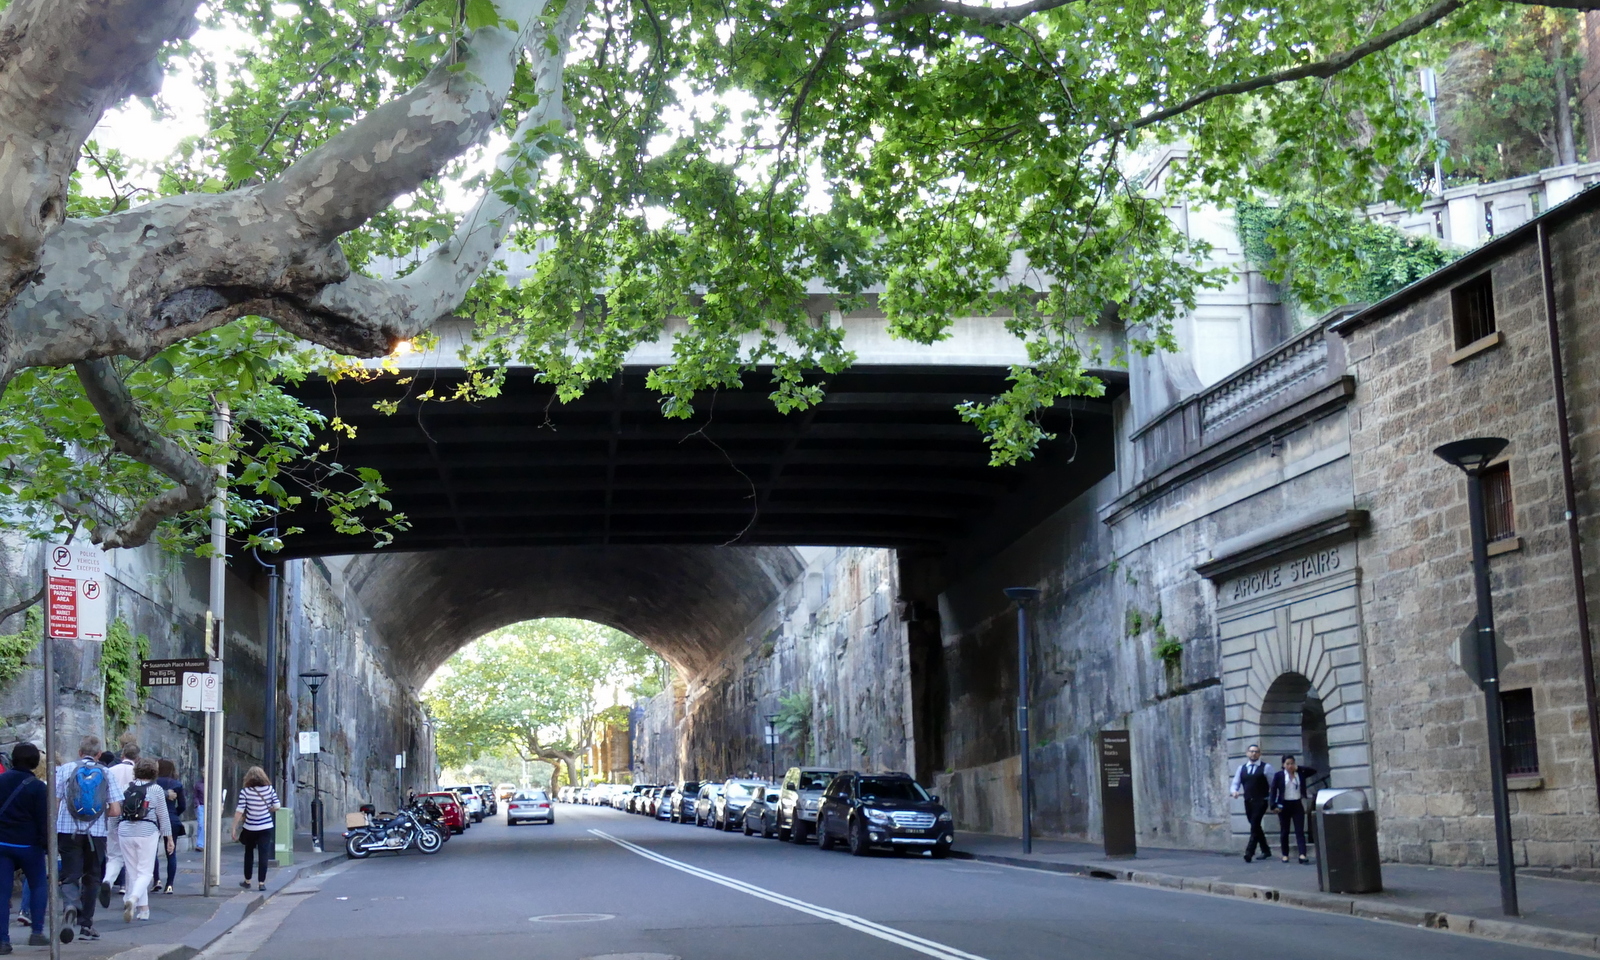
1347, 843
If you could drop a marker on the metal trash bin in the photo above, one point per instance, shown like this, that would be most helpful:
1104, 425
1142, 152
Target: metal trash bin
1347, 843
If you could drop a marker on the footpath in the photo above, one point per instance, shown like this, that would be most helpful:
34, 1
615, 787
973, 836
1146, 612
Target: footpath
1556, 914
185, 922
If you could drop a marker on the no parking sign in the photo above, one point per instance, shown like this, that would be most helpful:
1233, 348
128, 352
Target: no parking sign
74, 596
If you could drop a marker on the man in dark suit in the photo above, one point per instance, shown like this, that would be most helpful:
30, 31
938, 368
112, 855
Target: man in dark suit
1288, 797
1253, 781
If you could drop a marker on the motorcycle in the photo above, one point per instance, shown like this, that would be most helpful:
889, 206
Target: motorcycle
411, 827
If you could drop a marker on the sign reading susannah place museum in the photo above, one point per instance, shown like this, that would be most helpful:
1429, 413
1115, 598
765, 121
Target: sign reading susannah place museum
1309, 566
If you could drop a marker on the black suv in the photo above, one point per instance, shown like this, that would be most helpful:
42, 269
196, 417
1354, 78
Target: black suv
868, 810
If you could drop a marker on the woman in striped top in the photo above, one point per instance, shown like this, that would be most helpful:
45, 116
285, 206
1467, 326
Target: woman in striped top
257, 803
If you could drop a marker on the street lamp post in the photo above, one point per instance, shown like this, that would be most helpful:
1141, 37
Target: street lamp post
772, 745
1472, 456
313, 680
1024, 596
269, 735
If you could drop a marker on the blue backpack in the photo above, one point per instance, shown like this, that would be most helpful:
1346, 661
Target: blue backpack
86, 792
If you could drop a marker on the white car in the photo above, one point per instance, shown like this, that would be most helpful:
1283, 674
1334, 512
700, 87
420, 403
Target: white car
527, 805
470, 802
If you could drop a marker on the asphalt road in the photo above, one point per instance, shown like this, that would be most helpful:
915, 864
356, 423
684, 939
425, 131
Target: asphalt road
603, 885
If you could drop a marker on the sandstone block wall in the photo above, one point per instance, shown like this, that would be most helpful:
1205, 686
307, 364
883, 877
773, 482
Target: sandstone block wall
835, 635
1428, 737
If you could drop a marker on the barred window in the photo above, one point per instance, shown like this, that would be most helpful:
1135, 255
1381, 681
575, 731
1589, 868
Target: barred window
1499, 512
1521, 741
1472, 309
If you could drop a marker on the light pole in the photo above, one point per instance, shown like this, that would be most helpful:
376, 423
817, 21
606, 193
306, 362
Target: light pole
269, 735
772, 746
313, 680
1024, 596
1472, 456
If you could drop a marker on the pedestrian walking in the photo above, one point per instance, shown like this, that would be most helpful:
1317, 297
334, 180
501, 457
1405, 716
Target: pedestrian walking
142, 830
1288, 798
1253, 781
83, 788
172, 787
199, 813
119, 774
254, 813
24, 836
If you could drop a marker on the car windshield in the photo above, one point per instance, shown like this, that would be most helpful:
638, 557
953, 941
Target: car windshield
873, 788
815, 780
738, 790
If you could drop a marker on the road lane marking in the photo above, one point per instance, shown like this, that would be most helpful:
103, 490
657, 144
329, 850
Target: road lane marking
910, 941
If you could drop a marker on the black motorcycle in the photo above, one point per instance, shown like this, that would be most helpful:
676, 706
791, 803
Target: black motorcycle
409, 828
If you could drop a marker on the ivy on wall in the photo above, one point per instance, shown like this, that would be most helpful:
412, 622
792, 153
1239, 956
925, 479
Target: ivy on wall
16, 647
120, 656
1322, 257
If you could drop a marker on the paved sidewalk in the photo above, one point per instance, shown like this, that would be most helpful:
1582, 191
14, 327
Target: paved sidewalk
1555, 913
185, 915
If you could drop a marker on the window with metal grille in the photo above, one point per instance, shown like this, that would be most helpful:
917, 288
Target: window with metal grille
1472, 310
1521, 741
1499, 512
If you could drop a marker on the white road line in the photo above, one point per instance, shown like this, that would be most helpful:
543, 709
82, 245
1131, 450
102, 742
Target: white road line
900, 937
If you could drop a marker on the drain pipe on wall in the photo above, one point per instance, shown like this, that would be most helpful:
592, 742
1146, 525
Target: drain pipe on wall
1563, 432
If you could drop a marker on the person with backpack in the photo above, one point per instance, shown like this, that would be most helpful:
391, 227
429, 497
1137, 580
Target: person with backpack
257, 804
142, 826
84, 789
120, 774
24, 834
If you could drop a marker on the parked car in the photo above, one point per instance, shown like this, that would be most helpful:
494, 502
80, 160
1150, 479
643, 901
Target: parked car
470, 801
451, 812
704, 803
666, 803
491, 803
761, 816
527, 805
652, 802
798, 800
736, 794
866, 810
683, 801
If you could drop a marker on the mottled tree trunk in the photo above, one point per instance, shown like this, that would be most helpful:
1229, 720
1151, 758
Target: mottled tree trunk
1589, 83
1566, 146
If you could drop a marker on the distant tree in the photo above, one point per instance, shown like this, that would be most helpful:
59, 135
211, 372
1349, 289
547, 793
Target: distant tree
536, 688
1508, 99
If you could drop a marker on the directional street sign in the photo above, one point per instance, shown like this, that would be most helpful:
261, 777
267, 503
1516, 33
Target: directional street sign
75, 596
169, 673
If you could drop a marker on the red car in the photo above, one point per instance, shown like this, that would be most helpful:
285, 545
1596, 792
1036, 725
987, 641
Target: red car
450, 807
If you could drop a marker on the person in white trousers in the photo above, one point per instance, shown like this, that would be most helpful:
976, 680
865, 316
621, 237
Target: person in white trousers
119, 775
142, 831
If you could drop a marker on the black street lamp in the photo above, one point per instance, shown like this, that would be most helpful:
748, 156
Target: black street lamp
772, 745
1024, 596
269, 735
313, 680
1472, 456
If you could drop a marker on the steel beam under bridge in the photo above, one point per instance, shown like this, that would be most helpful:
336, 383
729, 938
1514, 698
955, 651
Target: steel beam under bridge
884, 461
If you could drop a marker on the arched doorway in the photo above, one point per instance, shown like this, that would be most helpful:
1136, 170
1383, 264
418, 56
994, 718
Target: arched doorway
1293, 721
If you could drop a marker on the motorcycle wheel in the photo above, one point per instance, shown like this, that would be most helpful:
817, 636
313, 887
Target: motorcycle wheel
429, 841
355, 847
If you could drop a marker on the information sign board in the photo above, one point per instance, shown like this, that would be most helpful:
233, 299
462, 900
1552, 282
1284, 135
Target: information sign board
75, 596
1116, 793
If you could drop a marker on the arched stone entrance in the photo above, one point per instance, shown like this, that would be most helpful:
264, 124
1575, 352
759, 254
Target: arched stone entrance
1293, 720
1294, 676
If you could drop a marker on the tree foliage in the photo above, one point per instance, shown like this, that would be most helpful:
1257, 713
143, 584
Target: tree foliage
538, 688
1355, 259
1499, 94
682, 169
